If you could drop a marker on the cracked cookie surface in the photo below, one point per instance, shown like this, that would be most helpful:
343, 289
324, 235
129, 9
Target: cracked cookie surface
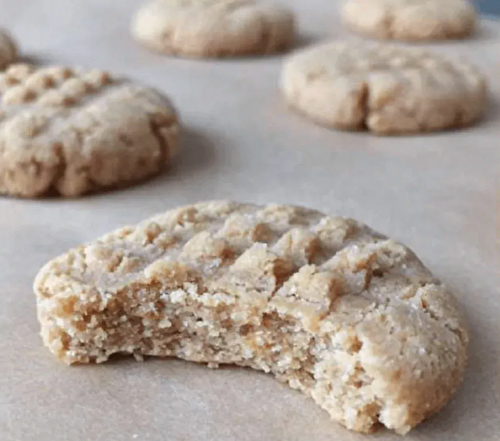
383, 88
213, 28
69, 131
410, 20
330, 307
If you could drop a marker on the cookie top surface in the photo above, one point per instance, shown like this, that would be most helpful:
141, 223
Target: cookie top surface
8, 49
386, 88
73, 131
213, 28
263, 252
410, 19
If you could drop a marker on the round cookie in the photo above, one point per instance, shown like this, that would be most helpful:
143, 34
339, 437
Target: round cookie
8, 49
327, 305
69, 131
384, 88
410, 20
213, 28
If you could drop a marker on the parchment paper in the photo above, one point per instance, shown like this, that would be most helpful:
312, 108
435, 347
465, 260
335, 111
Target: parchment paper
438, 193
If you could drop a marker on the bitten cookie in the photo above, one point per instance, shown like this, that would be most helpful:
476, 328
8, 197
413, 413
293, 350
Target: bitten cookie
334, 309
410, 19
8, 49
69, 132
213, 28
384, 88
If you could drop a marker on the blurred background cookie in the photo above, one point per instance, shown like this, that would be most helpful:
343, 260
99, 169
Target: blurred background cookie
213, 28
383, 88
70, 132
410, 19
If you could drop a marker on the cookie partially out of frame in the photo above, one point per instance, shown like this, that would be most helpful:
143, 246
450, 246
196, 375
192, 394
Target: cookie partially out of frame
8, 49
70, 131
213, 28
410, 20
334, 309
383, 88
